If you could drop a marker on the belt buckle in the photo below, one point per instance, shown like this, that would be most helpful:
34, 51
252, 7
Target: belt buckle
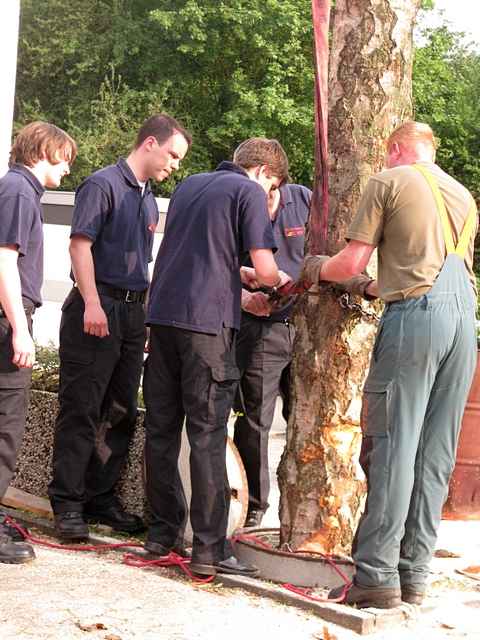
130, 296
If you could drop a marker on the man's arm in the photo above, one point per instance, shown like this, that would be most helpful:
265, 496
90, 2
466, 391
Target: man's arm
266, 271
95, 321
12, 305
348, 262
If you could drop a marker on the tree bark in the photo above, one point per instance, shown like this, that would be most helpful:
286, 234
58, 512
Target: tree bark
322, 486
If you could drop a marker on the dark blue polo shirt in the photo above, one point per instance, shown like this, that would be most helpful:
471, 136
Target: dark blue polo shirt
111, 210
289, 231
212, 220
21, 222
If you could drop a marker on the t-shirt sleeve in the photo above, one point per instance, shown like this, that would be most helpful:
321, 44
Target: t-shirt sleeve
255, 225
91, 209
17, 214
368, 223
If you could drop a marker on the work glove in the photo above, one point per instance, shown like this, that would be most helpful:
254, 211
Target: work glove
312, 266
356, 286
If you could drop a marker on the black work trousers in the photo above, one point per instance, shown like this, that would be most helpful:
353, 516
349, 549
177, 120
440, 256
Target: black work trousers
14, 393
99, 381
192, 375
264, 353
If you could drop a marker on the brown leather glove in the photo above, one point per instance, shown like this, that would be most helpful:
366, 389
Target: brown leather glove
312, 266
357, 286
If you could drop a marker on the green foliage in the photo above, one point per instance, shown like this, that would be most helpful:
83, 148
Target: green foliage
228, 69
45, 374
447, 95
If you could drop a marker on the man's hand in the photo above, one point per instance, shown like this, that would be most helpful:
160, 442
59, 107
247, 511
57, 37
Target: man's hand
249, 277
23, 349
146, 347
256, 303
95, 322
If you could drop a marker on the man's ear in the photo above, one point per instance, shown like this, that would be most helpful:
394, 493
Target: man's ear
264, 170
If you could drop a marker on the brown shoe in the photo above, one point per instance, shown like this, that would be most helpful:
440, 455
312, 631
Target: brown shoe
363, 596
413, 594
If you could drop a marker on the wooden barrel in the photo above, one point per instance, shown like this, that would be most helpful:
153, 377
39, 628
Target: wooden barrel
463, 502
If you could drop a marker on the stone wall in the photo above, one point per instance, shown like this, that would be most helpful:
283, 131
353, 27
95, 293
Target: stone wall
34, 465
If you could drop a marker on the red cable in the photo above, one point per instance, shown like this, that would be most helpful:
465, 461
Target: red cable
171, 560
175, 560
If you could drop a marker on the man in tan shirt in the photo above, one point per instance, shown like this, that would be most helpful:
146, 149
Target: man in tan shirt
423, 223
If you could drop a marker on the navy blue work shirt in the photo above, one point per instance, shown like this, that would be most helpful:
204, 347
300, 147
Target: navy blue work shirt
21, 224
111, 210
289, 228
212, 220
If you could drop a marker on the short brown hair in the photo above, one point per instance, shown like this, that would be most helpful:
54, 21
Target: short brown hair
257, 151
39, 140
410, 132
161, 126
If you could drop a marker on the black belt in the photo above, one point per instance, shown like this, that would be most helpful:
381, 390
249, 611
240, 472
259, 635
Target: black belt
125, 295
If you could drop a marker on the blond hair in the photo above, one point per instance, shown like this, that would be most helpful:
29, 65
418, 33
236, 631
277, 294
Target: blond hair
410, 133
39, 140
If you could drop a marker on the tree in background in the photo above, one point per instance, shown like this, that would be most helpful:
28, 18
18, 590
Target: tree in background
229, 69
446, 83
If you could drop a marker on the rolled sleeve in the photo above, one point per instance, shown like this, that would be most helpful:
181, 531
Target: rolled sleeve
368, 223
17, 214
92, 205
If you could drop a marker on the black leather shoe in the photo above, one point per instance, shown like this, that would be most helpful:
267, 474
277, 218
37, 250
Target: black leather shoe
230, 565
71, 526
363, 596
160, 550
9, 530
15, 552
116, 517
254, 518
413, 594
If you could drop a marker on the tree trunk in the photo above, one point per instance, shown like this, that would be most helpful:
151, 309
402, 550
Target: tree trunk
322, 486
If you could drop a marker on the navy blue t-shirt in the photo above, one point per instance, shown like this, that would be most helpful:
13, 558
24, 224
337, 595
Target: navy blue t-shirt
21, 223
111, 210
212, 220
289, 230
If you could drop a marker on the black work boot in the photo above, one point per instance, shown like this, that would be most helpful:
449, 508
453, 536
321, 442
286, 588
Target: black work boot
160, 550
363, 596
9, 530
115, 516
231, 566
71, 526
254, 518
15, 552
